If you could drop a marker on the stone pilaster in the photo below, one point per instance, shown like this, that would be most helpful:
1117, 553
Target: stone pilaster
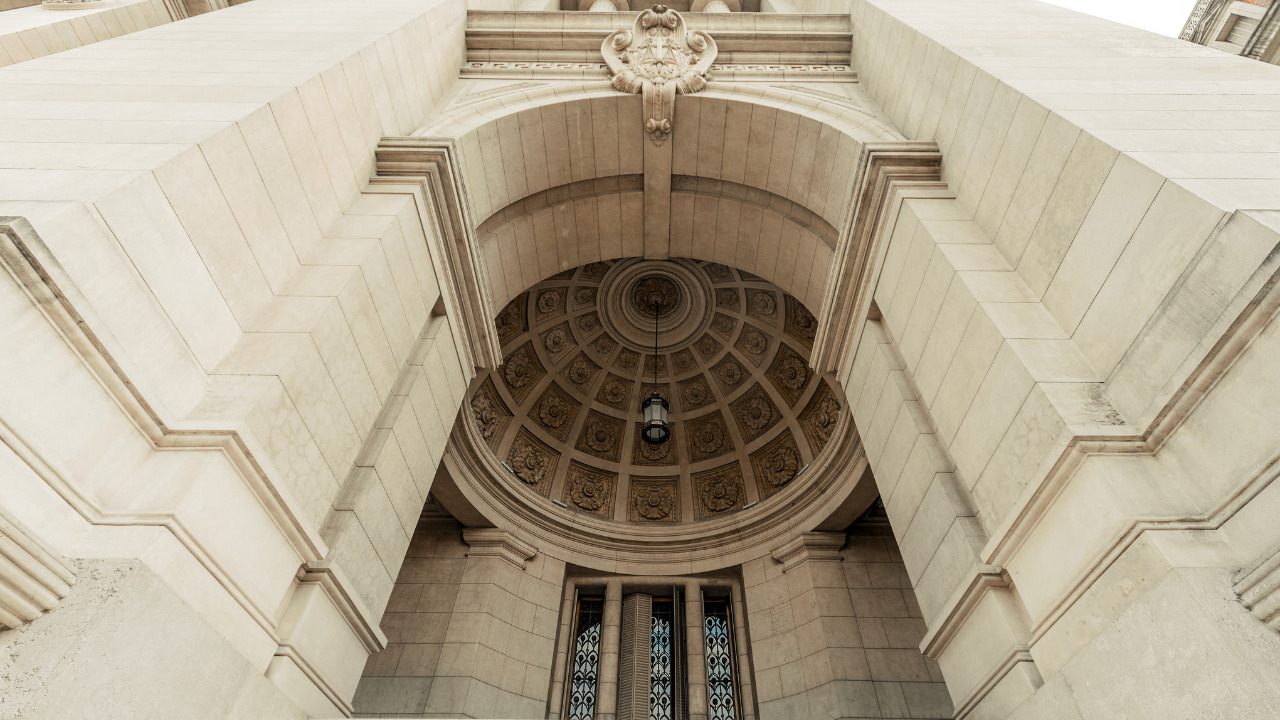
610, 641
697, 651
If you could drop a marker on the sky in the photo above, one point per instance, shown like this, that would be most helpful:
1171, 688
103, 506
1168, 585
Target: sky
1161, 16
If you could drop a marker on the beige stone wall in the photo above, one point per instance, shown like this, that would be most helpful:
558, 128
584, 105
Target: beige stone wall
469, 635
1066, 392
120, 645
1029, 388
28, 31
835, 632
260, 340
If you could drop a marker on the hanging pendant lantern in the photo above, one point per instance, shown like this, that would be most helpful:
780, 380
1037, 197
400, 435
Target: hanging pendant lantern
655, 429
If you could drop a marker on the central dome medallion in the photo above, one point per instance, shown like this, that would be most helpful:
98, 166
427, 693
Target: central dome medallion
681, 288
656, 291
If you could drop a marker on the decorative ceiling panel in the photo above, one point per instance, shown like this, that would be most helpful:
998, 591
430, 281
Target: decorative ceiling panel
564, 408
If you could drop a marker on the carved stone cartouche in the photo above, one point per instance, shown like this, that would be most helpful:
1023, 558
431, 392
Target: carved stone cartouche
658, 58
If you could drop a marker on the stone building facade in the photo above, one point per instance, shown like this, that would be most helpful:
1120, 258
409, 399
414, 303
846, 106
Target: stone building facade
325, 327
1240, 27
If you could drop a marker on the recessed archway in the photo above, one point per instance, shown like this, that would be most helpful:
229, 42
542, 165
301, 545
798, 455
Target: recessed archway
548, 443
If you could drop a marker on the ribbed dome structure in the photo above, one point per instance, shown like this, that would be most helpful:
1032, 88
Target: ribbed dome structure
747, 413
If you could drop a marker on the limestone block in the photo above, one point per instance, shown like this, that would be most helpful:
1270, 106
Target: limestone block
1182, 222
954, 316
1189, 648
998, 400
162, 655
351, 548
1232, 263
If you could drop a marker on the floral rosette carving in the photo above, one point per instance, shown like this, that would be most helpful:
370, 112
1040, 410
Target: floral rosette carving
554, 412
549, 301
581, 371
729, 373
589, 323
762, 304
604, 344
708, 436
719, 273
522, 370
510, 322
594, 271
756, 412
655, 290
528, 464
825, 418
727, 298
654, 502
781, 466
723, 324
754, 344
613, 392
557, 340
588, 492
707, 439
800, 322
601, 437
486, 414
719, 490
694, 393
627, 359
792, 372
707, 346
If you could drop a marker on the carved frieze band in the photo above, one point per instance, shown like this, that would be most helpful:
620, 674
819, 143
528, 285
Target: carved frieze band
517, 69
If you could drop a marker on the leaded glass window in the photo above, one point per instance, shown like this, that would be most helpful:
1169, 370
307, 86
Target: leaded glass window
586, 659
718, 631
662, 662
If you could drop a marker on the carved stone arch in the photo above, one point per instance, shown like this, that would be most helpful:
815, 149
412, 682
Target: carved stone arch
513, 145
533, 239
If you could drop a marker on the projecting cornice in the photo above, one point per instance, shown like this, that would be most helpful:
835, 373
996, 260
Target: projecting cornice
492, 542
32, 578
887, 173
809, 546
752, 46
436, 164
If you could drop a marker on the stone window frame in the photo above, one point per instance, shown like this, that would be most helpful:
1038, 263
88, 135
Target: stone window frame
613, 588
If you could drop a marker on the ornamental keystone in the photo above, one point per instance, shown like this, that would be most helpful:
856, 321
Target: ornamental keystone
659, 57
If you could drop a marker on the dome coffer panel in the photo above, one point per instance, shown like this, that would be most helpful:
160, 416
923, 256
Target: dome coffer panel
747, 413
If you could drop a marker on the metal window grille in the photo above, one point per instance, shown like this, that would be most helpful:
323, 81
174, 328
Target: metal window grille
662, 662
721, 689
586, 659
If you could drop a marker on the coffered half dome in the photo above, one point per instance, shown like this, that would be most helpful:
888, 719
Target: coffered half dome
562, 414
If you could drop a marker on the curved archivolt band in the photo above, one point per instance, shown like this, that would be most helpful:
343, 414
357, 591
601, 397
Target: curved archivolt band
518, 143
797, 149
